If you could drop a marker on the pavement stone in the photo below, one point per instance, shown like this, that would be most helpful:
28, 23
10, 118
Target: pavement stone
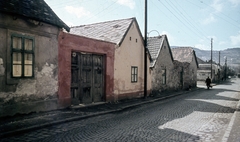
24, 123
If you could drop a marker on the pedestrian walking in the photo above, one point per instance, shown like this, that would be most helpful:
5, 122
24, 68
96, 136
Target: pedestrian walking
208, 82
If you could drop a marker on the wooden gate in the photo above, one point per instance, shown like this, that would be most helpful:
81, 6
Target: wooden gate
87, 78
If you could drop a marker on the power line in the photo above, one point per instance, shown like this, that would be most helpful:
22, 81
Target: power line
61, 5
186, 19
103, 10
179, 19
214, 13
190, 21
223, 15
166, 14
68, 2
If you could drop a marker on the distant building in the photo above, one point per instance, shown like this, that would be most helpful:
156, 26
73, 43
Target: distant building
187, 66
204, 71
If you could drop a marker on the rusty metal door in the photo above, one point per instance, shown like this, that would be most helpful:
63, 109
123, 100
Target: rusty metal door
89, 77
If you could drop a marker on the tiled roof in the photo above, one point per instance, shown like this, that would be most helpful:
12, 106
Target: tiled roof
183, 54
200, 61
110, 31
154, 45
33, 9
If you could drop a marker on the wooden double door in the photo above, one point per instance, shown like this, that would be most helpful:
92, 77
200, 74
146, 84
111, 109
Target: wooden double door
87, 81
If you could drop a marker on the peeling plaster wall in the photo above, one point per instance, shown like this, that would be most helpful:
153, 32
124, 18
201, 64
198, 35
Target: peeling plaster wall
189, 74
192, 74
39, 93
179, 67
69, 43
164, 61
43, 87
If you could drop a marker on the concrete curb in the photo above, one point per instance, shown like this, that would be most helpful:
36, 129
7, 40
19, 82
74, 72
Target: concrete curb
31, 128
231, 123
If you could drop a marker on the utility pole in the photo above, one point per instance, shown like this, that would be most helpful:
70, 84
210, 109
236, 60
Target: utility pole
219, 58
219, 75
225, 75
211, 57
145, 52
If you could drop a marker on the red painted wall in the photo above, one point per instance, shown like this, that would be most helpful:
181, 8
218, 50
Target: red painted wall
67, 44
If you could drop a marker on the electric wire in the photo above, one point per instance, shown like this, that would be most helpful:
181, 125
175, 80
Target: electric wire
187, 20
102, 10
222, 17
180, 19
163, 13
237, 26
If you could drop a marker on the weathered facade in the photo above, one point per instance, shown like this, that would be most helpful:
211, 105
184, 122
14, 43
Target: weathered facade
128, 61
86, 70
188, 59
129, 65
28, 57
162, 65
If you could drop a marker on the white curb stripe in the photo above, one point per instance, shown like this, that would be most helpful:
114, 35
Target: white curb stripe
229, 128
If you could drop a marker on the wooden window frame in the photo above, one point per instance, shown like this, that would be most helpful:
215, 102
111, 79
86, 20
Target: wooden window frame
134, 74
22, 51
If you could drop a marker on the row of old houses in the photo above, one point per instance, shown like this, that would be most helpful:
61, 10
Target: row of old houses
45, 65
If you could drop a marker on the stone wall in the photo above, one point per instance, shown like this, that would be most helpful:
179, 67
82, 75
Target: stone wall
164, 61
190, 74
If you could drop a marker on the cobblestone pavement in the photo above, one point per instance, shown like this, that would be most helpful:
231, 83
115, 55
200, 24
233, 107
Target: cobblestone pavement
200, 116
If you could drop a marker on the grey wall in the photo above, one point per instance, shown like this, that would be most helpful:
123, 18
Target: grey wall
44, 86
164, 61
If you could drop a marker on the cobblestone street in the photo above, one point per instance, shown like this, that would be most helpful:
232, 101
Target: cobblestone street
200, 116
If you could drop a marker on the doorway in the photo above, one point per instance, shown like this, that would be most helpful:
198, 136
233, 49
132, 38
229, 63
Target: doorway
87, 80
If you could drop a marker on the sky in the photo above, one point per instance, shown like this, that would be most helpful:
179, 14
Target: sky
191, 23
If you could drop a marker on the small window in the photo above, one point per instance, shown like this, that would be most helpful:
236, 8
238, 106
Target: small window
136, 39
22, 56
164, 76
130, 38
134, 74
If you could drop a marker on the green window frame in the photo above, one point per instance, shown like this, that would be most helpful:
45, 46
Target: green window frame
22, 56
134, 74
164, 76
